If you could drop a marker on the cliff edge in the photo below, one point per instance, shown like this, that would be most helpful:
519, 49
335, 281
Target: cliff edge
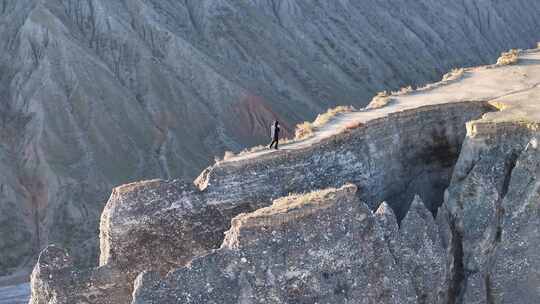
99, 93
454, 163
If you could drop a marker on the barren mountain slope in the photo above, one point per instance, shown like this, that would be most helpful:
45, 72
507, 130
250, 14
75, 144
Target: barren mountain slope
97, 93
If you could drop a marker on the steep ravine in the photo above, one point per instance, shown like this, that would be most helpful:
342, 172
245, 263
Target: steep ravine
99, 93
160, 225
362, 229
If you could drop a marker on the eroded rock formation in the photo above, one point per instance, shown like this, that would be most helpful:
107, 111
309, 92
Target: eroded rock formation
176, 221
456, 163
56, 280
322, 247
467, 147
99, 93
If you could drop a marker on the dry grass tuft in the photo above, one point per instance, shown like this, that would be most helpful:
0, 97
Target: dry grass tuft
293, 200
384, 98
455, 74
303, 130
500, 106
380, 100
325, 117
508, 58
306, 129
228, 155
403, 91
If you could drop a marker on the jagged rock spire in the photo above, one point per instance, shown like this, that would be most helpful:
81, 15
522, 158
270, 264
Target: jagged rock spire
387, 220
422, 253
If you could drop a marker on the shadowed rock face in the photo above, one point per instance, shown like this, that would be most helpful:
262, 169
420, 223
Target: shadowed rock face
99, 93
493, 203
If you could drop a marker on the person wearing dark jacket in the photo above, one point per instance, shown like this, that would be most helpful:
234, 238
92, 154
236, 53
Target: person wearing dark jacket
274, 134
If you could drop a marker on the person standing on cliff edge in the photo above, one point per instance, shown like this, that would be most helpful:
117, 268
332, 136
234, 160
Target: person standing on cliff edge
274, 133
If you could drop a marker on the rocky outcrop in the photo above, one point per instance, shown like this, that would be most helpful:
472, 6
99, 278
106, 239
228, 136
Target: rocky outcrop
514, 274
419, 251
476, 137
160, 225
324, 247
98, 93
56, 280
492, 201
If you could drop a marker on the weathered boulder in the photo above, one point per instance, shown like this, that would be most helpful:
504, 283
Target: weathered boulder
158, 225
55, 280
322, 247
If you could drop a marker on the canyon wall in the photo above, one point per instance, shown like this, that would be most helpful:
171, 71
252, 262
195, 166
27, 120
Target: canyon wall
99, 93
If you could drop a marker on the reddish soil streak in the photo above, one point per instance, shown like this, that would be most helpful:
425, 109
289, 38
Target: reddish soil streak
252, 117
